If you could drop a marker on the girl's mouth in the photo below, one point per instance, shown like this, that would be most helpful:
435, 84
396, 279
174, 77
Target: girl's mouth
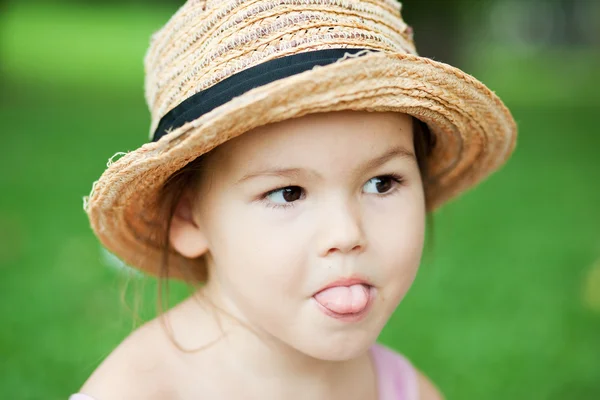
349, 303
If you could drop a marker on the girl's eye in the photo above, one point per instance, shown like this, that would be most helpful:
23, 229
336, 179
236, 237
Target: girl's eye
381, 184
285, 195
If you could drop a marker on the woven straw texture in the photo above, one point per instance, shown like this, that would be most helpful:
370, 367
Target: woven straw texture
205, 42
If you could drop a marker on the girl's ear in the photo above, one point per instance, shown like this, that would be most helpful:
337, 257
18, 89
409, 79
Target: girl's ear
186, 236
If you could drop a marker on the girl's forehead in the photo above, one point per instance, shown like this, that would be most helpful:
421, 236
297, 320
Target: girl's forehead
333, 136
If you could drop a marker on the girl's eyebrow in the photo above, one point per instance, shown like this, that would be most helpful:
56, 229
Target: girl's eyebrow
397, 151
394, 152
283, 172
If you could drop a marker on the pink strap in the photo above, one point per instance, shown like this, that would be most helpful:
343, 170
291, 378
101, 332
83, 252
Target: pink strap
397, 378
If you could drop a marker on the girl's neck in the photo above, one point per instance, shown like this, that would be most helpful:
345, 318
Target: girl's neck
260, 365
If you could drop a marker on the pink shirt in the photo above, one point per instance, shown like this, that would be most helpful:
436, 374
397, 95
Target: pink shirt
396, 377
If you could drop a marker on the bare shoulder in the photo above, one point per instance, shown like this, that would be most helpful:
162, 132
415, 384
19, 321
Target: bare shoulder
135, 369
427, 390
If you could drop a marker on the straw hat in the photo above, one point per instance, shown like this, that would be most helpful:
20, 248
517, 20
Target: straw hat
219, 68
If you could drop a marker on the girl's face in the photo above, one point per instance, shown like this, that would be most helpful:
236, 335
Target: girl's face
288, 208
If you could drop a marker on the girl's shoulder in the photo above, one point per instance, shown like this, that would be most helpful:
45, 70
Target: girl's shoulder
137, 368
399, 379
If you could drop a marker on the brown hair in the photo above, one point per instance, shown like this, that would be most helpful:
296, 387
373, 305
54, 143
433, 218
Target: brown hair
424, 142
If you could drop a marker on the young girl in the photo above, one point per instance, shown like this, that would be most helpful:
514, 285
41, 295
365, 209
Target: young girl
297, 147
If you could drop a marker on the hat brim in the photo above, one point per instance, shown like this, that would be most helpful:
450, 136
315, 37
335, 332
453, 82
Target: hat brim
475, 135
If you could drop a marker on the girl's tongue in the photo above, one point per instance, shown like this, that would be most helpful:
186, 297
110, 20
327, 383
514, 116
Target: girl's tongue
344, 299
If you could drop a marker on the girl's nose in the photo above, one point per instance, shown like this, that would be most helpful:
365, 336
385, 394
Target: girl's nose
341, 229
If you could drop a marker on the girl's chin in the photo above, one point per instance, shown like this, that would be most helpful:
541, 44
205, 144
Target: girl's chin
345, 354
337, 349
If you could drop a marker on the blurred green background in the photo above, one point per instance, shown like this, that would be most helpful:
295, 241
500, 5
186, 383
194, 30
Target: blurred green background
507, 302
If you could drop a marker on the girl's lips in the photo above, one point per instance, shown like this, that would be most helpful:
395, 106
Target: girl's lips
353, 280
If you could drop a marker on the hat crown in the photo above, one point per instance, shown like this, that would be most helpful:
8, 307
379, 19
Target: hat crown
207, 41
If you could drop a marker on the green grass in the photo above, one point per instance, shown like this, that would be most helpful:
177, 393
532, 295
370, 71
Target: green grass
498, 310
98, 46
538, 76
